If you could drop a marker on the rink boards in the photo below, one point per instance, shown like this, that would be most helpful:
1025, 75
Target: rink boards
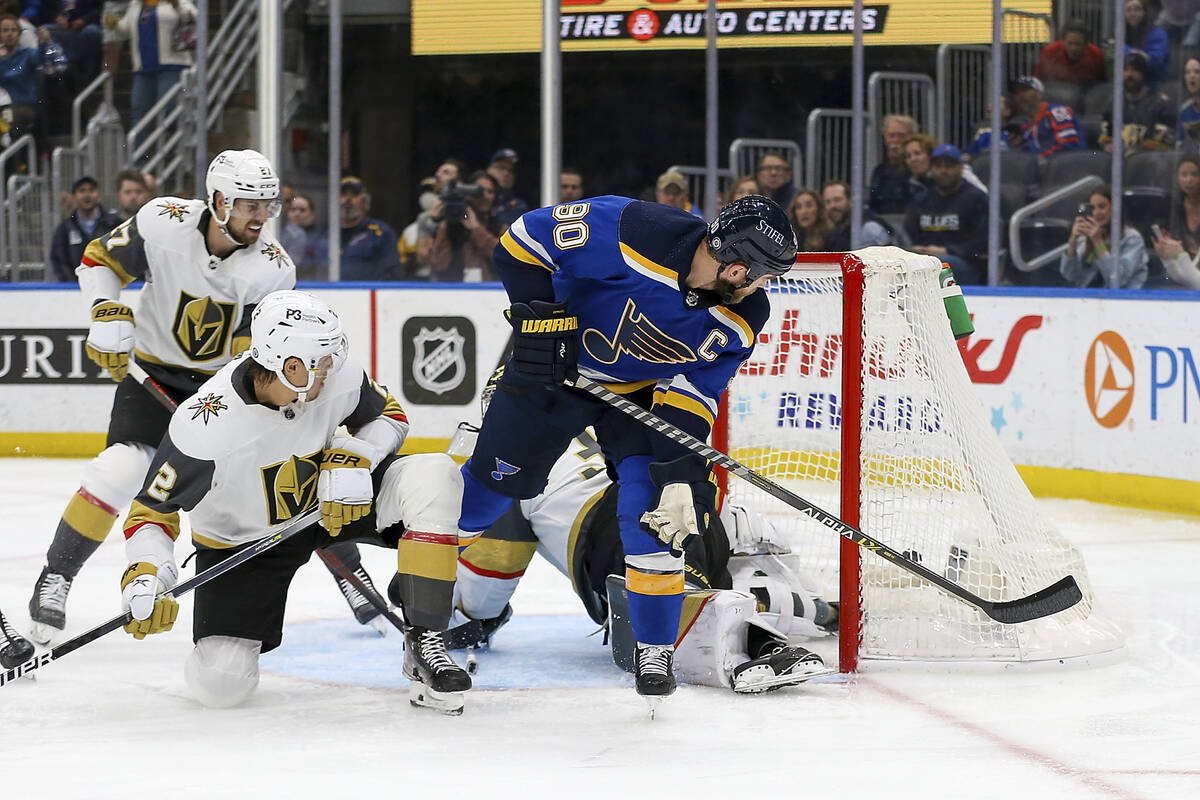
1094, 394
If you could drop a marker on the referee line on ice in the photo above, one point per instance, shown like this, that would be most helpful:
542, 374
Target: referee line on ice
1088, 778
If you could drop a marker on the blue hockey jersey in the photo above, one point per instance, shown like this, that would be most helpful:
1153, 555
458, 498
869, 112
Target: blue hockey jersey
621, 266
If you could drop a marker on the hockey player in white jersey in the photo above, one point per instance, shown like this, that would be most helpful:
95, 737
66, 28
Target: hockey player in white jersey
254, 448
206, 263
742, 602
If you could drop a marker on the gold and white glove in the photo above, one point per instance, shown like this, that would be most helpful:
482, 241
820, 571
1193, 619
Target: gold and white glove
685, 504
110, 337
344, 483
151, 571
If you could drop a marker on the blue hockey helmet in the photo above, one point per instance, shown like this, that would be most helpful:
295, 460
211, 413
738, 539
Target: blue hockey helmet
754, 231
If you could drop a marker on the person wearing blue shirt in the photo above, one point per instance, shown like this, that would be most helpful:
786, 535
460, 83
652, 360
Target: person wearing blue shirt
651, 302
369, 245
159, 55
18, 76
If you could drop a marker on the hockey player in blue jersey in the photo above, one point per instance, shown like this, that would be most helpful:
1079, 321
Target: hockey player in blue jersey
660, 307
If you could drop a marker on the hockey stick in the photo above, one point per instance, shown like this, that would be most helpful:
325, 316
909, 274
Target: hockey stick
1057, 597
216, 570
339, 568
152, 386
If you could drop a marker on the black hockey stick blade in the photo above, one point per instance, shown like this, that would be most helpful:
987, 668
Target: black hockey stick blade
180, 589
1057, 597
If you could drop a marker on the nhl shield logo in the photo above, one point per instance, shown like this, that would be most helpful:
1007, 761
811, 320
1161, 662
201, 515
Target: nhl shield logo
438, 363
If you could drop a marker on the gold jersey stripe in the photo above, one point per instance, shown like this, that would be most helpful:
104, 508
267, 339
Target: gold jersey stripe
647, 264
688, 404
96, 253
140, 515
649, 583
747, 332
88, 519
518, 251
573, 538
498, 558
628, 388
211, 544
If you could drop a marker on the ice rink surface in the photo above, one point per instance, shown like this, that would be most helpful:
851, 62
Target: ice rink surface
552, 717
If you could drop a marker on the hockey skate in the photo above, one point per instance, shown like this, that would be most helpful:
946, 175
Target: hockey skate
476, 633
783, 665
437, 682
364, 611
15, 649
654, 674
48, 606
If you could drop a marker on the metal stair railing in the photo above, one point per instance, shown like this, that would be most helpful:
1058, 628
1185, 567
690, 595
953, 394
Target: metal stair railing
827, 146
1026, 212
24, 215
744, 155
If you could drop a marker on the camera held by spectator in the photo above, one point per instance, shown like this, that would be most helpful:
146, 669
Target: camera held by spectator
454, 197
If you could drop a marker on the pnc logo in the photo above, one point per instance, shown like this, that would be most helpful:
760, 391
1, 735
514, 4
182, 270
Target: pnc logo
1108, 379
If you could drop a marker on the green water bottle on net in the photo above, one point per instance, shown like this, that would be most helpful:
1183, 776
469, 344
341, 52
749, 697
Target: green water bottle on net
956, 305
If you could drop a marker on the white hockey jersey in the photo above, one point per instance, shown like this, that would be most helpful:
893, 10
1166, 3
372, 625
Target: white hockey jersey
242, 469
193, 304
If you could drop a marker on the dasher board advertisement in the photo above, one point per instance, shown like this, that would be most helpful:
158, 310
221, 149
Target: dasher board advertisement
515, 26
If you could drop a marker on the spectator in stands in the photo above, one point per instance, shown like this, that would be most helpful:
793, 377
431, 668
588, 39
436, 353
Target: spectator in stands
889, 189
774, 175
950, 222
1177, 20
1072, 59
1046, 128
287, 193
570, 185
809, 222
1178, 246
1187, 131
76, 30
982, 143
88, 221
132, 193
19, 68
308, 243
1149, 119
462, 249
28, 36
835, 202
160, 54
918, 150
1089, 261
503, 169
113, 38
368, 246
743, 186
671, 189
416, 240
1143, 36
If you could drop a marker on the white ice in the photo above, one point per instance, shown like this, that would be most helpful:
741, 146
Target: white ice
113, 718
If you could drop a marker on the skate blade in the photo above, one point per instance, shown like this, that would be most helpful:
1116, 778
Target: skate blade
448, 703
380, 624
750, 682
653, 702
472, 662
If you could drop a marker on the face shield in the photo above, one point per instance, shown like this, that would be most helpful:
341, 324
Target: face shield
244, 208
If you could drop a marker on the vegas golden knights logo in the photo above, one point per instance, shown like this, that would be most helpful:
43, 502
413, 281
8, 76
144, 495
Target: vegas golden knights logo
202, 326
638, 337
291, 487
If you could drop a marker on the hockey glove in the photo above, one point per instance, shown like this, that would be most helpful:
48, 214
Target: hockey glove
686, 502
110, 337
545, 341
344, 484
151, 570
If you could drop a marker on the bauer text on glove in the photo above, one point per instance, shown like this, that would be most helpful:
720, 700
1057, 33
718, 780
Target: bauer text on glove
344, 484
110, 337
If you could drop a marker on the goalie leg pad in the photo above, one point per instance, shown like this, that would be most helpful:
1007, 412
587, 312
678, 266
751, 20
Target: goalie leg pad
222, 671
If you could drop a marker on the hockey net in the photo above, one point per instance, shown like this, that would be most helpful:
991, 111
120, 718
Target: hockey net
856, 398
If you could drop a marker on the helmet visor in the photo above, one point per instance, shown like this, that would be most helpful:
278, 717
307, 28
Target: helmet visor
245, 208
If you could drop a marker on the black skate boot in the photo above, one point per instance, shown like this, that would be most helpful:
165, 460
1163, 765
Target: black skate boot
653, 673
782, 665
15, 649
48, 606
364, 612
437, 682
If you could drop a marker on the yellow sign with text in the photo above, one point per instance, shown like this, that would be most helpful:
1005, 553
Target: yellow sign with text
515, 26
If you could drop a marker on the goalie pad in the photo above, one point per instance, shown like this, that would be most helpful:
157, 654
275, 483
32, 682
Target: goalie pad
713, 629
777, 581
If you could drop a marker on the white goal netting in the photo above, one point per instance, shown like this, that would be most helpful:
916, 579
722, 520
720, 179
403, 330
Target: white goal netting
934, 481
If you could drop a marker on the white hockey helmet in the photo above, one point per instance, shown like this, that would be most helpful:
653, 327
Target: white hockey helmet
242, 174
292, 324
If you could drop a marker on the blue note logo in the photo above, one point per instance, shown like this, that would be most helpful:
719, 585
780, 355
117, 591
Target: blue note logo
503, 469
638, 337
